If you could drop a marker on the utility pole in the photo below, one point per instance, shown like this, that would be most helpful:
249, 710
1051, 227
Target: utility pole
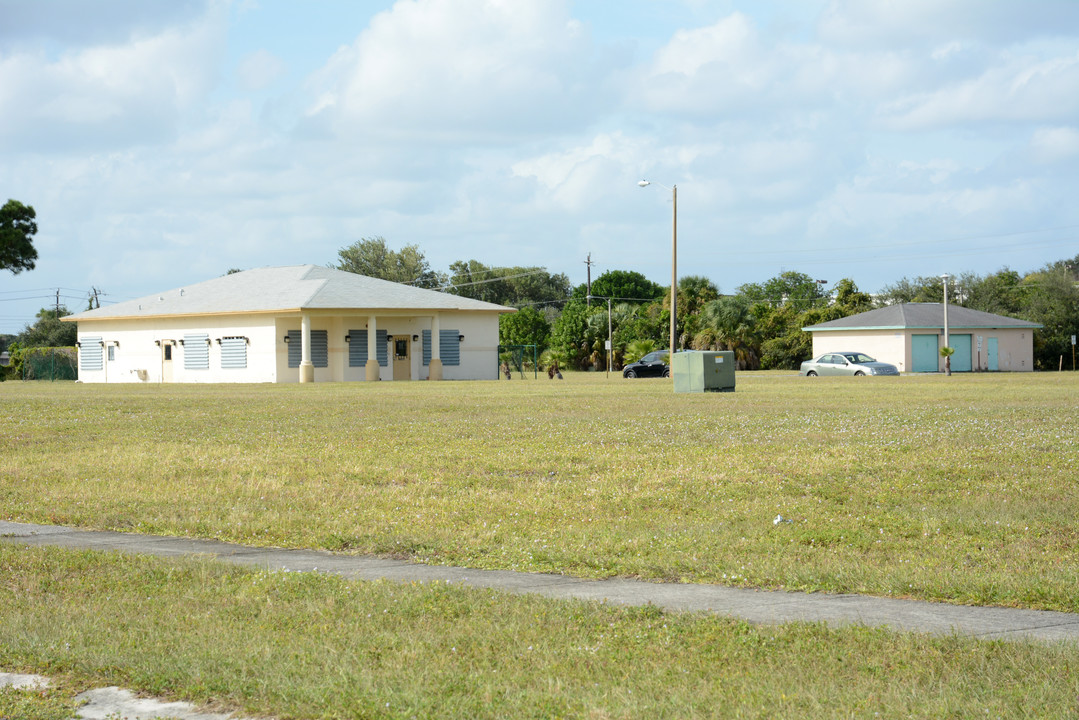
588, 262
57, 303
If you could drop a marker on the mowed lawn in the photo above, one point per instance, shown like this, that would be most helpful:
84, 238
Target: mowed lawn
304, 646
961, 489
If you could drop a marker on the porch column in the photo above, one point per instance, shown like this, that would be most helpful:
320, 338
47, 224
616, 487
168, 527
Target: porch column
435, 368
307, 369
371, 369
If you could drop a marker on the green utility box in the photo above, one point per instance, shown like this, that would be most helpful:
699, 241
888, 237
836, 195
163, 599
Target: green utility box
703, 371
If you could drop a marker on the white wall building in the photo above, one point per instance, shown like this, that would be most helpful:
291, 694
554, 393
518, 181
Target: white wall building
302, 323
910, 336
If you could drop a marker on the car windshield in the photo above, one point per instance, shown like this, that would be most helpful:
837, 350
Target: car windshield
859, 358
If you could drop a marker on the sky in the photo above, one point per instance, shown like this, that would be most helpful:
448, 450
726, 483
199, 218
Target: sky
163, 142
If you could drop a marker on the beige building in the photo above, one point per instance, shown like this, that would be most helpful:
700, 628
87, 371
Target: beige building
910, 336
302, 323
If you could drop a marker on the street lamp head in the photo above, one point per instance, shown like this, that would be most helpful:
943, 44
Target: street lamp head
644, 183
945, 276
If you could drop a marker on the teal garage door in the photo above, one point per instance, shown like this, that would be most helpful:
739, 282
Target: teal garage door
961, 359
923, 350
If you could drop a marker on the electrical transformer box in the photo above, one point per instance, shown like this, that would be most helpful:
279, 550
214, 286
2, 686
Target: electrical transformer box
703, 371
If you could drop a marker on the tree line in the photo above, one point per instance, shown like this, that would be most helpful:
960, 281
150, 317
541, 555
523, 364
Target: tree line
760, 322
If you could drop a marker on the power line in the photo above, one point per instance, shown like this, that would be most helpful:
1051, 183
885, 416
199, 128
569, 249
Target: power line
494, 279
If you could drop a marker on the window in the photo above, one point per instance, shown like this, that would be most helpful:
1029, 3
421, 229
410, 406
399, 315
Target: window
197, 352
90, 355
233, 353
320, 356
449, 347
112, 353
168, 351
357, 348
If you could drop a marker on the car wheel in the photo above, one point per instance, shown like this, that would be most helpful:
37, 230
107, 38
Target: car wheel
666, 372
859, 374
630, 374
811, 373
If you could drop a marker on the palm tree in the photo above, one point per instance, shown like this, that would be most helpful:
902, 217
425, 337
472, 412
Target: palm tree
730, 321
946, 353
637, 349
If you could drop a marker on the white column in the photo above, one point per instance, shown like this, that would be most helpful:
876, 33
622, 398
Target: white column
371, 371
435, 369
307, 370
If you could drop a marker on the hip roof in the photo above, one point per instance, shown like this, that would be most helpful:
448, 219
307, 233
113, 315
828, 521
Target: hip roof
922, 316
287, 289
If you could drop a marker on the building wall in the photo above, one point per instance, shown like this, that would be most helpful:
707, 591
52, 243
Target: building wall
139, 353
138, 347
1015, 347
888, 346
479, 349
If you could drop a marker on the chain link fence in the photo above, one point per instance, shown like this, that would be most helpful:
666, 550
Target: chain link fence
44, 364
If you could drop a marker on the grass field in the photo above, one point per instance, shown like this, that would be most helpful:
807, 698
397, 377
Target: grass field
297, 645
960, 489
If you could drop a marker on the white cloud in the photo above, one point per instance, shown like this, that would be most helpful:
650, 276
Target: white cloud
721, 67
107, 95
500, 130
447, 70
78, 23
1021, 89
555, 169
880, 208
731, 70
260, 69
921, 23
1052, 145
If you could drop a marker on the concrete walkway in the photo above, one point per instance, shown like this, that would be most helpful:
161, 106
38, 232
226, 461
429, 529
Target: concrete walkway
756, 606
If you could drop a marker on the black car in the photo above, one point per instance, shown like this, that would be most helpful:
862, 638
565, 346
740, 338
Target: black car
654, 364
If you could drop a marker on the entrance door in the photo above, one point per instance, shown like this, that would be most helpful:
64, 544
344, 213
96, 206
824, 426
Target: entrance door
924, 354
402, 358
991, 354
166, 361
961, 360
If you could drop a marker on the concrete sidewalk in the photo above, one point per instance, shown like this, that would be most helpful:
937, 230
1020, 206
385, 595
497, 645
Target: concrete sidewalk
756, 606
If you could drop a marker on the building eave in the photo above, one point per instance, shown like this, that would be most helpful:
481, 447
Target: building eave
292, 312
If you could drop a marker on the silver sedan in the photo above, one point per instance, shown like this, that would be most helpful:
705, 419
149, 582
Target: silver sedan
846, 363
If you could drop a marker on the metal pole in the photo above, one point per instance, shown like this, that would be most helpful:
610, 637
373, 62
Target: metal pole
674, 263
610, 339
947, 360
674, 273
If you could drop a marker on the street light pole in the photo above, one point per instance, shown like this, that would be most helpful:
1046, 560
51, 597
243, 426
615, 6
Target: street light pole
674, 263
945, 277
947, 360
